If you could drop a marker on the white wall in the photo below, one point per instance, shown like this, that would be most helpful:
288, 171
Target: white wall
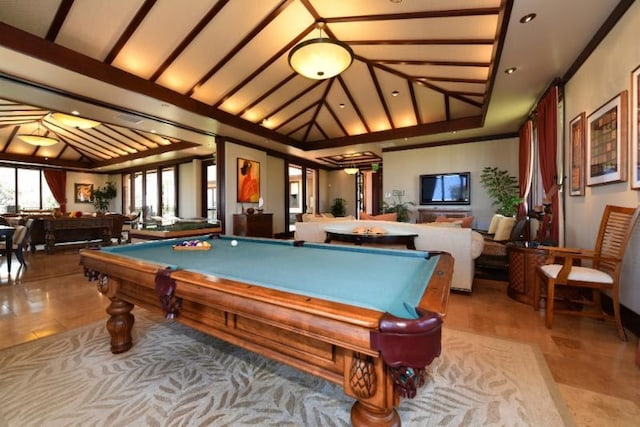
403, 168
232, 153
98, 180
190, 188
605, 74
341, 185
273, 194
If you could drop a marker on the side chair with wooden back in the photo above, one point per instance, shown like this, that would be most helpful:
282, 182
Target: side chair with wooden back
563, 267
18, 238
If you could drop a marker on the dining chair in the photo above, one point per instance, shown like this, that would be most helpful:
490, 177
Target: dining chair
18, 238
564, 267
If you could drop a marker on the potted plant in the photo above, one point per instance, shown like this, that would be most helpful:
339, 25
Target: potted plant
399, 207
503, 189
102, 196
339, 207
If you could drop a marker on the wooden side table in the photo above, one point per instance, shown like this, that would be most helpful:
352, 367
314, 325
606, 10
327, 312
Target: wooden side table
523, 257
255, 225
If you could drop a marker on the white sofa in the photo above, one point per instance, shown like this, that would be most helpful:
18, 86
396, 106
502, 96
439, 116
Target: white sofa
464, 244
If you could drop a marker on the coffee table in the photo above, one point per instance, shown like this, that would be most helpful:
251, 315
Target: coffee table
393, 238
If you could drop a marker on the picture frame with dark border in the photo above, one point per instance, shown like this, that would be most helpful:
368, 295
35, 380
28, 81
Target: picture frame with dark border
607, 142
635, 128
82, 192
577, 155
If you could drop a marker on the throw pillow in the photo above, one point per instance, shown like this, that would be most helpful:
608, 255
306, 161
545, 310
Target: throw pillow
464, 222
503, 232
455, 224
493, 225
382, 217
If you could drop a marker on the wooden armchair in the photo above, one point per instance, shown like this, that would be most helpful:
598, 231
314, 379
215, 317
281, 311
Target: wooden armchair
563, 267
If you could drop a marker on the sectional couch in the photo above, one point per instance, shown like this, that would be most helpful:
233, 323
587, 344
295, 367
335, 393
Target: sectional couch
464, 244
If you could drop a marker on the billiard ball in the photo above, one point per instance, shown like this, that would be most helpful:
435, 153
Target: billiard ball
234, 243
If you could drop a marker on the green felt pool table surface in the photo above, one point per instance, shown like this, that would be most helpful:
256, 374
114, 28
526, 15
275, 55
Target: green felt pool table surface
390, 281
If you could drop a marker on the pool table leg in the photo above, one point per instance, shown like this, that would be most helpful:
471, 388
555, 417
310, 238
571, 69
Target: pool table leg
367, 415
120, 324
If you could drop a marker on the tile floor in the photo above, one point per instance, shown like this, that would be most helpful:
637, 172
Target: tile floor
595, 371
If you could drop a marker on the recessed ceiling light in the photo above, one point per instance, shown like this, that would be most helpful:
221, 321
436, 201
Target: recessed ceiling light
510, 70
395, 93
341, 105
75, 112
528, 18
153, 131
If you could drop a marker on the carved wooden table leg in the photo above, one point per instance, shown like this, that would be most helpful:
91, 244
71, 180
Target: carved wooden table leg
120, 324
366, 415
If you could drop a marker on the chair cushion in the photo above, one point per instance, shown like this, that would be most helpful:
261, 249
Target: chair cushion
503, 232
583, 274
493, 225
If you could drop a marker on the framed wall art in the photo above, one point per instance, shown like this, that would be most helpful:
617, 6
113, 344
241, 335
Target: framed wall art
607, 142
82, 192
635, 129
577, 155
248, 181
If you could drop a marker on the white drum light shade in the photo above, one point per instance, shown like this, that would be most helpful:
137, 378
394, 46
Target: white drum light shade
351, 171
40, 141
320, 58
74, 121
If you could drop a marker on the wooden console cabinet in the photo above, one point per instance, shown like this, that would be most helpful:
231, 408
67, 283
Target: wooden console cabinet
430, 215
255, 225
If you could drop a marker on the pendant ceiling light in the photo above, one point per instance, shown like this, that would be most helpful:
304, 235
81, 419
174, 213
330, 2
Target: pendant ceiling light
320, 58
38, 138
351, 171
74, 121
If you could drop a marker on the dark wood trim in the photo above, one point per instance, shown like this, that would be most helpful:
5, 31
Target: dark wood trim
353, 102
452, 142
426, 42
245, 40
31, 45
206, 19
425, 129
602, 32
221, 184
376, 84
128, 32
417, 15
58, 20
263, 67
503, 24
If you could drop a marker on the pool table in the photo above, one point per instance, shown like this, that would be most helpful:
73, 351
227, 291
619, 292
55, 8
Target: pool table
367, 319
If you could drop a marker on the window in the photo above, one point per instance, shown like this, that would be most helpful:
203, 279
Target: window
24, 189
154, 192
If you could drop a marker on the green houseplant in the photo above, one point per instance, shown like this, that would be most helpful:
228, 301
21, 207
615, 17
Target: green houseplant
102, 196
503, 189
399, 207
338, 207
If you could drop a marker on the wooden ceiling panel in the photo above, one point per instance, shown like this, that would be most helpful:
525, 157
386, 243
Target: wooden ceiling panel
27, 17
234, 21
93, 27
151, 43
226, 62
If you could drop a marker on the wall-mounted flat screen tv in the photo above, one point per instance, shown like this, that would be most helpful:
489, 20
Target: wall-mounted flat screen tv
445, 189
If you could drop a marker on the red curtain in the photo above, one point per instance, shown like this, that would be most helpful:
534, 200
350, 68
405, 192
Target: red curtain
524, 163
57, 180
547, 144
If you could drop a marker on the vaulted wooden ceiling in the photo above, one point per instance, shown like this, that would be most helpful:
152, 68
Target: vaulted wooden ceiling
420, 68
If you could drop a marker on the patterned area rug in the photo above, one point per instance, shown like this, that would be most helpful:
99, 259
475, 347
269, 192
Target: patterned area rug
175, 376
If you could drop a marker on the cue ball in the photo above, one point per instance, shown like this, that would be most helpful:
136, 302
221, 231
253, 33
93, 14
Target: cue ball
234, 243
